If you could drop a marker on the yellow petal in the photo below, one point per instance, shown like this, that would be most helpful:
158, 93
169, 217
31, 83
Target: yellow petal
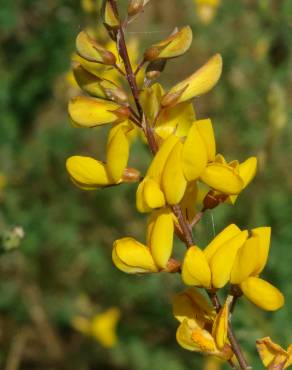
103, 327
262, 294
205, 129
109, 15
222, 178
247, 170
117, 153
188, 203
177, 119
193, 338
195, 269
173, 180
177, 44
191, 304
268, 351
132, 257
150, 100
220, 326
184, 336
158, 163
226, 234
222, 261
92, 51
153, 196
90, 112
194, 154
87, 172
246, 260
202, 81
161, 239
140, 199
264, 234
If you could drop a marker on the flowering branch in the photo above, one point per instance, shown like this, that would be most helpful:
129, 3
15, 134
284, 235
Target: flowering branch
186, 229
184, 157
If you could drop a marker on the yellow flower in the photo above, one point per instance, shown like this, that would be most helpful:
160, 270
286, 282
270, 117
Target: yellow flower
200, 82
229, 178
89, 174
211, 268
173, 46
274, 357
201, 330
168, 120
133, 257
89, 112
206, 9
176, 163
249, 263
149, 193
101, 327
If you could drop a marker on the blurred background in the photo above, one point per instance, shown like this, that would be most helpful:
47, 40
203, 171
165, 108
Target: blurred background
63, 305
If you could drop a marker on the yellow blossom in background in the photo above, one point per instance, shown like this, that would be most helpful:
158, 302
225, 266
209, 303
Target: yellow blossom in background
273, 356
101, 327
201, 329
206, 10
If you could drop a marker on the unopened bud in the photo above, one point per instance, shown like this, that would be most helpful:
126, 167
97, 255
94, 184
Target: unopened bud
135, 7
173, 46
90, 50
131, 175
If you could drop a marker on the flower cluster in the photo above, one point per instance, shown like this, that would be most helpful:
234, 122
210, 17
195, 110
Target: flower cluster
186, 178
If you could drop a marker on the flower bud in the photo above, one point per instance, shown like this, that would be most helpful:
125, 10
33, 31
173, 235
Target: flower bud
135, 7
173, 46
155, 68
90, 50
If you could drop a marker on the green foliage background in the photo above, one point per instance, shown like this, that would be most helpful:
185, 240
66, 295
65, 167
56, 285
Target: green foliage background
66, 252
